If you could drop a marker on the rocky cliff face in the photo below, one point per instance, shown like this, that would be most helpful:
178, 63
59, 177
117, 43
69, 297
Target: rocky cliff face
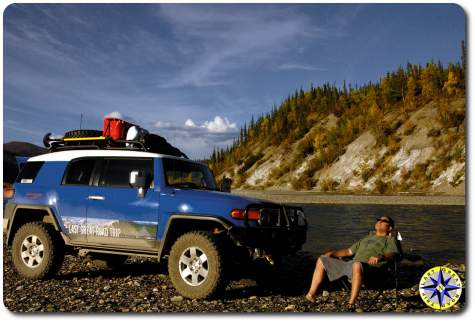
422, 151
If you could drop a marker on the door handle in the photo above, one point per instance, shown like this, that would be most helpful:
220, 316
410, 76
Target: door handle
171, 194
96, 198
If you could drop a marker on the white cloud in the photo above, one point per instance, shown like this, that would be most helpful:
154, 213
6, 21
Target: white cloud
161, 124
216, 131
190, 123
298, 66
220, 125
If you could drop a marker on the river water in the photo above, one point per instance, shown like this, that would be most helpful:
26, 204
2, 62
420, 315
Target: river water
437, 233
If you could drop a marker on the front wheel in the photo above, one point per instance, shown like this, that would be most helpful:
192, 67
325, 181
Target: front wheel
37, 250
196, 265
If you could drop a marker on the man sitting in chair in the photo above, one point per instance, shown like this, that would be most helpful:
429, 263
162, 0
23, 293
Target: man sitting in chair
371, 251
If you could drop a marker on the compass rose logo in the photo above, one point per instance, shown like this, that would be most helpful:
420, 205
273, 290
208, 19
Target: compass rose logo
440, 287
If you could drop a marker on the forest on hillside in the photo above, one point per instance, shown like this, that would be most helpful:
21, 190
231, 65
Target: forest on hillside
358, 109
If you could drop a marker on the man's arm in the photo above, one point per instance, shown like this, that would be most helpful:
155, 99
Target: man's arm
344, 252
386, 257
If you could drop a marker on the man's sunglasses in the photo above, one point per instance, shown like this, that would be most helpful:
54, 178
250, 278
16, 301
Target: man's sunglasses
383, 220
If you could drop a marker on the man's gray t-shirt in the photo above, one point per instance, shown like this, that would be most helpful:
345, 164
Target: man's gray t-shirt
373, 246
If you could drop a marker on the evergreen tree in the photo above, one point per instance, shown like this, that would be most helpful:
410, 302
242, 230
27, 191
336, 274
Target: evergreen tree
451, 84
429, 81
410, 99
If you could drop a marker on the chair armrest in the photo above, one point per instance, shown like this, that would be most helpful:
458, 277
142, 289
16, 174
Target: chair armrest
346, 258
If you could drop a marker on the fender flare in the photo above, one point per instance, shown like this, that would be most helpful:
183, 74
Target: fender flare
177, 216
53, 220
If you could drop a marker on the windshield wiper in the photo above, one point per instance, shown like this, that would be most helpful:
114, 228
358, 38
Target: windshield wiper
207, 188
191, 185
188, 185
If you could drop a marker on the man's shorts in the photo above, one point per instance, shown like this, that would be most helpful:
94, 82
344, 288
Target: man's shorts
337, 268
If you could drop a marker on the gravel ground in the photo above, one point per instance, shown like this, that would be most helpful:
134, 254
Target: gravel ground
142, 285
332, 198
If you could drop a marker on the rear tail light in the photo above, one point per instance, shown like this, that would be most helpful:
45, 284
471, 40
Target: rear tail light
251, 214
8, 193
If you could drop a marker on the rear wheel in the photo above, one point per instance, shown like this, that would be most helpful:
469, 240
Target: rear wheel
196, 265
37, 250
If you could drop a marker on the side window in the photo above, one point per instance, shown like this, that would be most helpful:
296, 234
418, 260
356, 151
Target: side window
29, 172
117, 171
79, 172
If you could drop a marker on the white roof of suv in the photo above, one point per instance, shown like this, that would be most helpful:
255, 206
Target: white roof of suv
74, 154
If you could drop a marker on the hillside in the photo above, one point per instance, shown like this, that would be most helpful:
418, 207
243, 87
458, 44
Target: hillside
405, 133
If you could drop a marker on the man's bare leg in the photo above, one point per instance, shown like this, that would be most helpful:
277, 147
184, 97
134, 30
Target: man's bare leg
317, 279
356, 282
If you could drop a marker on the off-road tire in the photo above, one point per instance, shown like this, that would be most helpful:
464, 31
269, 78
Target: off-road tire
53, 250
107, 261
82, 134
215, 281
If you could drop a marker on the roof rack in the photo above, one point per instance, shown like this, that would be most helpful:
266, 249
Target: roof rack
105, 145
134, 146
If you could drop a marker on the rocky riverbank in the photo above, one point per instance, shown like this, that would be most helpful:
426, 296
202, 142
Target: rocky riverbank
312, 197
142, 285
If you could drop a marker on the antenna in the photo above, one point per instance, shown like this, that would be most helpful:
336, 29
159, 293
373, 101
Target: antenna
80, 123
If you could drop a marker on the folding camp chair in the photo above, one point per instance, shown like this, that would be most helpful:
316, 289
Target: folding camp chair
387, 274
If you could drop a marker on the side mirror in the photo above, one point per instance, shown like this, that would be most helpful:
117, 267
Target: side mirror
137, 179
226, 185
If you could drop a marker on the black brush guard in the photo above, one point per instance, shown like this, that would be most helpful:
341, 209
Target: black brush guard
281, 229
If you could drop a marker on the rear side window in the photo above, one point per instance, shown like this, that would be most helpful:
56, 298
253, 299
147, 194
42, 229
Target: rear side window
117, 171
29, 172
79, 172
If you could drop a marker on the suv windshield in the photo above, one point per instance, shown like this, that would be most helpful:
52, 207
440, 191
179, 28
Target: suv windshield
184, 174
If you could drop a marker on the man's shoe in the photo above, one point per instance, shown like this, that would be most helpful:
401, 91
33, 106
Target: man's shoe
350, 308
310, 298
353, 308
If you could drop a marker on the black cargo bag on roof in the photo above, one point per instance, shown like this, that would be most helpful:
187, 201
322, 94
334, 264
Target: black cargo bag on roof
157, 144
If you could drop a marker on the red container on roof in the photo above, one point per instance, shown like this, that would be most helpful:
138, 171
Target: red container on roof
115, 128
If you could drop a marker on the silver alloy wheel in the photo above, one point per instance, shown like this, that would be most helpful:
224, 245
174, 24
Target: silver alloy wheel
32, 251
193, 265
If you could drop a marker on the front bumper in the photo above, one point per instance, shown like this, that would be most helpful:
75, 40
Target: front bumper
281, 230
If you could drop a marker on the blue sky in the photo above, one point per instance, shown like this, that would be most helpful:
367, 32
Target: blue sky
195, 73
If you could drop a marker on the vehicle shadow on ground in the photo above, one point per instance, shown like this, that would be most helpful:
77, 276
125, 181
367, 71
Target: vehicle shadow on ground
129, 269
291, 277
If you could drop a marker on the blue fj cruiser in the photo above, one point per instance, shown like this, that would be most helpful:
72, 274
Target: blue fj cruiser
111, 204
